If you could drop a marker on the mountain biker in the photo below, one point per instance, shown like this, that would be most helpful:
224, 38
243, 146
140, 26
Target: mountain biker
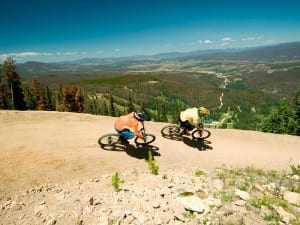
127, 125
191, 118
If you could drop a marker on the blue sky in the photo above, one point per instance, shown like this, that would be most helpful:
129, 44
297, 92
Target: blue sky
57, 30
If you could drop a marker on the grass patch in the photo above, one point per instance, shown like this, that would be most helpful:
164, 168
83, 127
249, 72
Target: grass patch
189, 215
186, 194
152, 164
295, 170
199, 173
116, 181
225, 197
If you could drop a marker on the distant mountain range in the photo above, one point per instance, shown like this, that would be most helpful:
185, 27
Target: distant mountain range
279, 52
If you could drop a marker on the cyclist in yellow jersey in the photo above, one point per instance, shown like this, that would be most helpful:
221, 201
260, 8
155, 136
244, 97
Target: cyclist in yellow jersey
191, 117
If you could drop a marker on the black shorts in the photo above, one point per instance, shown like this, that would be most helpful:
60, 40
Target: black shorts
186, 124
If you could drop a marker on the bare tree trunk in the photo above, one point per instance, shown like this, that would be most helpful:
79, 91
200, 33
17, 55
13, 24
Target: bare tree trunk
12, 95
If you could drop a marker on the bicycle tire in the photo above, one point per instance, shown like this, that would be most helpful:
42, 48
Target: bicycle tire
109, 140
149, 138
201, 134
170, 131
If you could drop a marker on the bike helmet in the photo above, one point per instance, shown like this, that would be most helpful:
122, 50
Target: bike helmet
203, 111
140, 115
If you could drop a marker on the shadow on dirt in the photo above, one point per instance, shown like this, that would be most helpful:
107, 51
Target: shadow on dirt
201, 145
174, 137
136, 151
141, 151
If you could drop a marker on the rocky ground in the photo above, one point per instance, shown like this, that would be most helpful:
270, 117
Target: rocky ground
185, 196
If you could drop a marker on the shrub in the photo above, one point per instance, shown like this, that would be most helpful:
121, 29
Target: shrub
115, 180
295, 170
152, 164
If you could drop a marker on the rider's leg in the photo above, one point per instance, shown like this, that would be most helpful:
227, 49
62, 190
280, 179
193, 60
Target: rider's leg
186, 127
125, 135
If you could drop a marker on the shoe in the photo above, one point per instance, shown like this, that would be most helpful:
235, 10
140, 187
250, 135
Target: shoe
123, 140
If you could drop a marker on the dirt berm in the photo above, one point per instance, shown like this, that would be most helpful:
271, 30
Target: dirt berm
52, 147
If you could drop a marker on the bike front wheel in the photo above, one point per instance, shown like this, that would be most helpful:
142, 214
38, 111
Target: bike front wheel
108, 140
201, 134
170, 131
149, 138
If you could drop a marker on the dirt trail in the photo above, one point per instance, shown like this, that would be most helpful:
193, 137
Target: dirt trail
39, 147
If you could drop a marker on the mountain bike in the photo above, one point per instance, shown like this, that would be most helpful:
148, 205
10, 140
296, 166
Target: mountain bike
175, 131
112, 140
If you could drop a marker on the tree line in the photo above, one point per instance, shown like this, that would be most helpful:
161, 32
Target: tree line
15, 96
285, 119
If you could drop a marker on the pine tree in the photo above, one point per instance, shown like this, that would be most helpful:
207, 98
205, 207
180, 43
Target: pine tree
3, 102
281, 120
59, 99
48, 96
92, 105
41, 103
72, 99
29, 99
79, 100
130, 106
15, 94
296, 111
68, 99
112, 107
104, 109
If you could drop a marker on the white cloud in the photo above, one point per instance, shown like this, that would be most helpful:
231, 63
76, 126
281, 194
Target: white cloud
248, 39
4, 56
27, 55
66, 53
47, 54
198, 42
253, 38
70, 53
24, 54
117, 50
227, 39
19, 55
207, 42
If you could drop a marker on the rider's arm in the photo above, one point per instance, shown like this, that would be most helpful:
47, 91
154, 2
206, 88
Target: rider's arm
197, 126
198, 121
136, 131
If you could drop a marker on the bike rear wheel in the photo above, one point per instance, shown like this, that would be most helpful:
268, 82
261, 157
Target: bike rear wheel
201, 134
149, 138
170, 131
108, 140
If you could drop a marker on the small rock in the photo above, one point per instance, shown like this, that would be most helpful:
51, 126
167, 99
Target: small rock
292, 197
242, 194
192, 203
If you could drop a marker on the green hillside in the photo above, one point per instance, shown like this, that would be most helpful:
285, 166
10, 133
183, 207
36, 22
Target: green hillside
250, 93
